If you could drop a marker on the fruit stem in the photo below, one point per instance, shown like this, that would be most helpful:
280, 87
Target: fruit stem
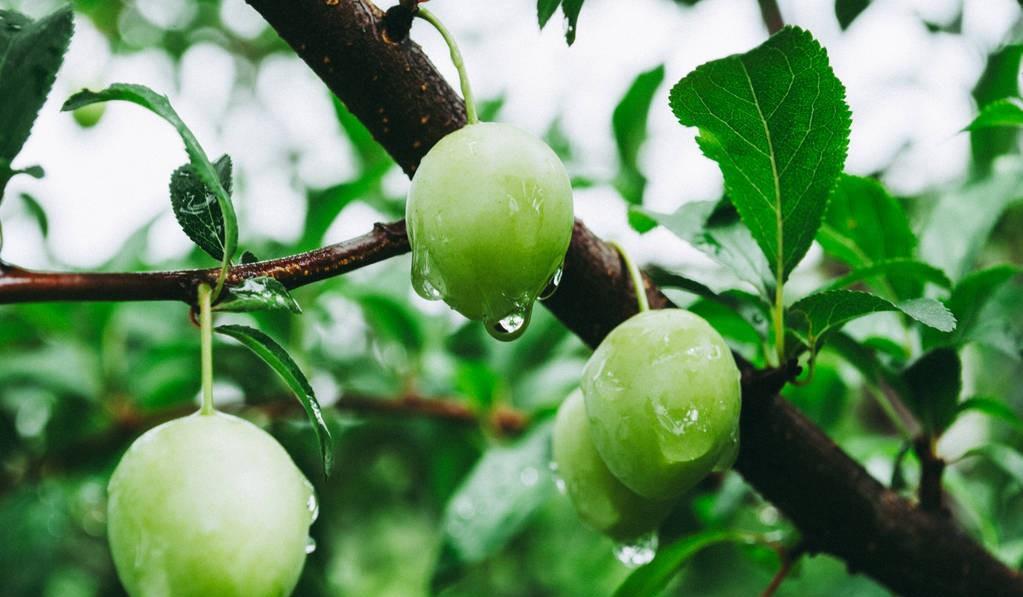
637, 278
206, 340
456, 57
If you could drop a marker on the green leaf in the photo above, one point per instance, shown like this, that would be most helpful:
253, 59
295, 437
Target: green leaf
715, 229
262, 293
545, 10
933, 382
1003, 456
967, 301
846, 11
895, 269
496, 500
851, 232
274, 355
196, 207
1006, 112
817, 314
571, 9
999, 80
629, 124
372, 156
996, 409
776, 121
31, 53
654, 576
159, 105
962, 219
37, 212
393, 319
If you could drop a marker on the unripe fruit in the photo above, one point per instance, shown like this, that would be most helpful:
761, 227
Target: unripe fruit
600, 499
209, 505
489, 218
662, 394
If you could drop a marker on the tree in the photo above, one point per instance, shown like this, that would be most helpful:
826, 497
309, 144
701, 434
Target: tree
912, 546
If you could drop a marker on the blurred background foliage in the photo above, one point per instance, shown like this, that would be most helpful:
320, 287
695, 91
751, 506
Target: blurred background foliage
418, 506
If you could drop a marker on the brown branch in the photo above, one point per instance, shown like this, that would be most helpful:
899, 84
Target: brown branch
788, 558
21, 285
932, 467
771, 15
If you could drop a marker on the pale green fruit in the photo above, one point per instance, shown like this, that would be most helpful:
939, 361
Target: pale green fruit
208, 506
600, 499
663, 396
489, 218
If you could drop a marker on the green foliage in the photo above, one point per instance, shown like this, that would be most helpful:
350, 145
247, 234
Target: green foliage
846, 11
31, 53
267, 349
715, 229
197, 209
207, 173
776, 121
429, 503
629, 124
259, 294
967, 303
570, 8
816, 315
1006, 112
653, 577
494, 502
933, 382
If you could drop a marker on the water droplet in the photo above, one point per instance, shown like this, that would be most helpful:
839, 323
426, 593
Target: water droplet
510, 326
529, 476
559, 482
422, 277
637, 552
552, 284
314, 508
310, 545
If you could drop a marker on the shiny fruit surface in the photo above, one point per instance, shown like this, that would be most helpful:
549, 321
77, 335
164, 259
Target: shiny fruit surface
662, 394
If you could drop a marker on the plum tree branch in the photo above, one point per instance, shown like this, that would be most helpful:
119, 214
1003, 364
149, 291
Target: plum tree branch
22, 285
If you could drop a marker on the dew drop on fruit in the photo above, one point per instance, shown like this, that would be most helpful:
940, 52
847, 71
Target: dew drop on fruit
510, 326
422, 280
314, 508
310, 545
552, 284
637, 552
559, 482
529, 476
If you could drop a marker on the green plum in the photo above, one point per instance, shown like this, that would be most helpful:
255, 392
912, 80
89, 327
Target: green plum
209, 505
489, 216
599, 497
663, 395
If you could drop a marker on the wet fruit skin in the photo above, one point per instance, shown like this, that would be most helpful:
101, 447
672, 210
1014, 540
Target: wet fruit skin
208, 505
662, 394
600, 499
489, 217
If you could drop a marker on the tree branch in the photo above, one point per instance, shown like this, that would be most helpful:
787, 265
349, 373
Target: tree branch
771, 15
21, 285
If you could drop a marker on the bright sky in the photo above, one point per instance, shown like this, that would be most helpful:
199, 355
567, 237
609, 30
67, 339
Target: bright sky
909, 91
